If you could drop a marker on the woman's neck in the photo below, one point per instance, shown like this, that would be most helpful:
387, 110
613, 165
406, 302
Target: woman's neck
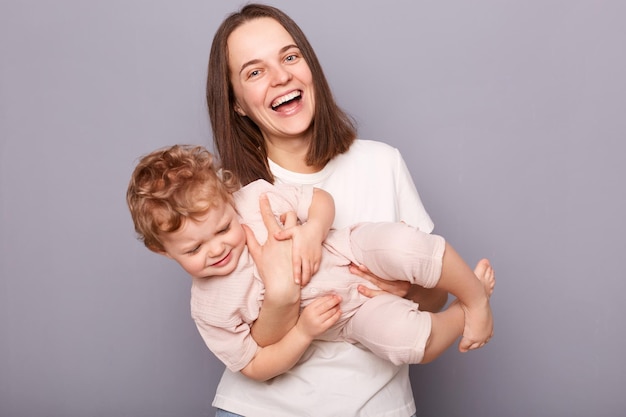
291, 155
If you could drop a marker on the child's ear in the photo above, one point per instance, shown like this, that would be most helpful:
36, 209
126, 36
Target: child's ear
160, 252
167, 255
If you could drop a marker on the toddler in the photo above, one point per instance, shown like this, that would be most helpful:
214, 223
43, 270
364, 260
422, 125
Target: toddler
184, 208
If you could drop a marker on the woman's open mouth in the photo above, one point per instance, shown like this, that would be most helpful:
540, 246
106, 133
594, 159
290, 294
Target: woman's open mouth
287, 99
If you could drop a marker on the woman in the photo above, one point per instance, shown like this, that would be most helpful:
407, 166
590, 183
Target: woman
273, 117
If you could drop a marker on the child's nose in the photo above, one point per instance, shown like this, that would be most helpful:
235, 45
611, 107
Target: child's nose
216, 249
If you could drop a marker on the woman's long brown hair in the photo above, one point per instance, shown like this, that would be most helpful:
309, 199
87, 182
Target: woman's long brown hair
237, 139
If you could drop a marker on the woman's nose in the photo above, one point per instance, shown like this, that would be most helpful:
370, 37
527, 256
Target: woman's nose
280, 75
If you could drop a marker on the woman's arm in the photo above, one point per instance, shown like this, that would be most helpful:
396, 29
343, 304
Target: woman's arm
281, 305
274, 259
302, 245
429, 299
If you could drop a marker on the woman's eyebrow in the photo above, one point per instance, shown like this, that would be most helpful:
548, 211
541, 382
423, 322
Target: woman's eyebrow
248, 64
288, 47
256, 61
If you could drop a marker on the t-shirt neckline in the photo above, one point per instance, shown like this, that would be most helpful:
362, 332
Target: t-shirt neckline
284, 175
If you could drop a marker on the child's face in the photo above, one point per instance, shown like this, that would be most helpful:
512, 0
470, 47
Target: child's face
210, 246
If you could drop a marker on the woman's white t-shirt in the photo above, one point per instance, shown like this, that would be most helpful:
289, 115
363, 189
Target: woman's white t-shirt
370, 182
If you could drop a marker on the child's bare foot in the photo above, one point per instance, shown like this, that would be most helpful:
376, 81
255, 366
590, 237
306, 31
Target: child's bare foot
485, 273
478, 320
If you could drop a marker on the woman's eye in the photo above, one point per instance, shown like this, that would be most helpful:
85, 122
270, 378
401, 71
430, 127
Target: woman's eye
291, 58
254, 73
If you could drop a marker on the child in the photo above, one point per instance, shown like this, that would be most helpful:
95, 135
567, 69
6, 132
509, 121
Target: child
182, 209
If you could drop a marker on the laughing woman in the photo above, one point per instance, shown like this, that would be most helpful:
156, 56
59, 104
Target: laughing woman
274, 117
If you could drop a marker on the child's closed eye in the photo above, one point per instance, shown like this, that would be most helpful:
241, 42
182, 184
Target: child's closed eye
193, 251
224, 229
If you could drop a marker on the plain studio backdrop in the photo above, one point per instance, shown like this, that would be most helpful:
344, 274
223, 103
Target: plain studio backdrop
509, 114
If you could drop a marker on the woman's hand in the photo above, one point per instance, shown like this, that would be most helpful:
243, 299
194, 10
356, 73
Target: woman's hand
274, 259
281, 303
429, 299
399, 288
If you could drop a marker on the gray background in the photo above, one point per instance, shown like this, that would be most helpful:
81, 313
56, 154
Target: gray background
510, 115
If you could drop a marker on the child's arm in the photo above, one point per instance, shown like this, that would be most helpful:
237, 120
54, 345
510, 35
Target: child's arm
308, 237
278, 358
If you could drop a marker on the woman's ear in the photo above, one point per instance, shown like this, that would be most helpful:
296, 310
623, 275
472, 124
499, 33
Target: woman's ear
239, 110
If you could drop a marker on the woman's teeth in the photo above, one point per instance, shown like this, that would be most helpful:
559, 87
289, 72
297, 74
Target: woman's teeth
284, 99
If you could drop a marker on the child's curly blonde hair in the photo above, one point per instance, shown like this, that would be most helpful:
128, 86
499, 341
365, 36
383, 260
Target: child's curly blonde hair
171, 185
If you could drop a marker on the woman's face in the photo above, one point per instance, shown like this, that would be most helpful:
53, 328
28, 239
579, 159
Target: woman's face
272, 82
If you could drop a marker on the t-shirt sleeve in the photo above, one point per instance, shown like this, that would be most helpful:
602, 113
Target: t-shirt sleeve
299, 198
410, 207
232, 344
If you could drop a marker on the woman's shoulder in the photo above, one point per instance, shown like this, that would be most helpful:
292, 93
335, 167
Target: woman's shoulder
367, 145
364, 150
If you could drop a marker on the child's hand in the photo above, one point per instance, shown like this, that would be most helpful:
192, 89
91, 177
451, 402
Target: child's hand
319, 316
306, 250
